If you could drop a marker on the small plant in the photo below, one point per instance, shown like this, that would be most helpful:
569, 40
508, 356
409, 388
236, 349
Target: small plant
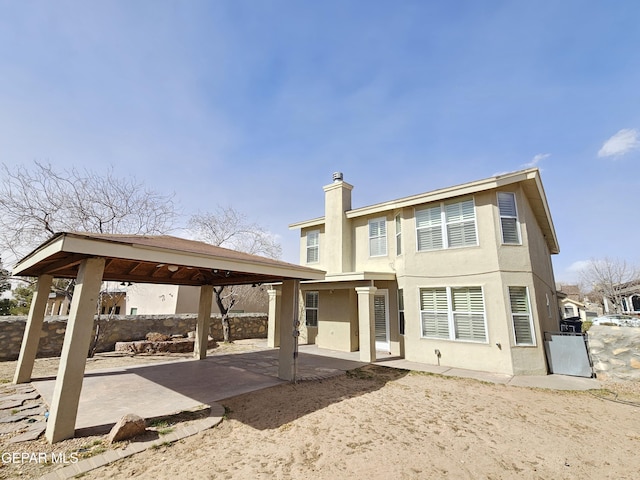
165, 431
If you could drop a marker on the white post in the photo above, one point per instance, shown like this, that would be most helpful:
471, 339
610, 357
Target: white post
288, 329
202, 325
66, 393
273, 328
366, 323
32, 330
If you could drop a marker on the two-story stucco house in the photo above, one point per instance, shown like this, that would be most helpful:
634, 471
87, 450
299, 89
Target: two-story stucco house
459, 277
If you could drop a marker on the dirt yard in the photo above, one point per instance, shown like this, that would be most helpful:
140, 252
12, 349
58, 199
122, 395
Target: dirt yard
381, 423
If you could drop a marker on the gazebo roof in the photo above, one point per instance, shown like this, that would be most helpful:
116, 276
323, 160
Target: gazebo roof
157, 259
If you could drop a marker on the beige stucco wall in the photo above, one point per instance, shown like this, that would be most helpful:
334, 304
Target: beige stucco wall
337, 320
150, 299
490, 265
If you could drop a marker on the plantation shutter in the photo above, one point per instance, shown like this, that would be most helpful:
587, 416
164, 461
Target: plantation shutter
313, 246
377, 237
311, 308
521, 315
435, 312
508, 217
380, 317
429, 228
461, 224
468, 313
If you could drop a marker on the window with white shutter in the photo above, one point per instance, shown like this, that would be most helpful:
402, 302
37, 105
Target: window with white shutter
377, 237
311, 308
398, 235
521, 316
447, 225
434, 310
313, 246
468, 314
461, 224
509, 218
453, 313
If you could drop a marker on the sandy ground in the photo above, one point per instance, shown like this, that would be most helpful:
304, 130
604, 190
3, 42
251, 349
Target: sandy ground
380, 423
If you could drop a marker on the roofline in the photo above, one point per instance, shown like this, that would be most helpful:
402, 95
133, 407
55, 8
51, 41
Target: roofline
85, 244
445, 193
470, 188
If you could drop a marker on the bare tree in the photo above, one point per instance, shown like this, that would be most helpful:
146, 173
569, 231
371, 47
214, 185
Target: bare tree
610, 278
107, 306
226, 227
39, 201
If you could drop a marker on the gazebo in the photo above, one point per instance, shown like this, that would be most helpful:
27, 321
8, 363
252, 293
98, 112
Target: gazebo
91, 259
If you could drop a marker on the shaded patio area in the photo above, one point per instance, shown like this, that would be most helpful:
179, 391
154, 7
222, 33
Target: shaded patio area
167, 388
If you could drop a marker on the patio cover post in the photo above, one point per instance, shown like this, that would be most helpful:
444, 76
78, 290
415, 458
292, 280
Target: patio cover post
66, 393
366, 323
273, 328
288, 329
202, 325
32, 330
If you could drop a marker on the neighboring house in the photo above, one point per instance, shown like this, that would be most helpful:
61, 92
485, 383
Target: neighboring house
151, 299
572, 303
459, 277
113, 300
630, 301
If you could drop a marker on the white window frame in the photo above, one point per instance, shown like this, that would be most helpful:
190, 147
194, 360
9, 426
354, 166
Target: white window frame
401, 320
509, 216
313, 246
451, 315
444, 225
398, 224
382, 227
308, 309
522, 314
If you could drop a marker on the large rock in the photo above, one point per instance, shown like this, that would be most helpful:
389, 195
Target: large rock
129, 426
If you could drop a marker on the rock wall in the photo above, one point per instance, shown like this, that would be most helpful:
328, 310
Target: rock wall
615, 352
125, 328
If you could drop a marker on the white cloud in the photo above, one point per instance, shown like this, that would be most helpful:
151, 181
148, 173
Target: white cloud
579, 266
622, 142
536, 159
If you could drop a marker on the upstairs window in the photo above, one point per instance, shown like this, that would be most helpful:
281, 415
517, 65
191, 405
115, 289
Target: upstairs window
509, 218
448, 225
313, 246
377, 237
398, 235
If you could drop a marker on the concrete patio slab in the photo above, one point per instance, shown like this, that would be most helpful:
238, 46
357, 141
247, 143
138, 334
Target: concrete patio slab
156, 390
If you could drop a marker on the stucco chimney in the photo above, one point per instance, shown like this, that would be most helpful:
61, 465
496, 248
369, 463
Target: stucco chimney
338, 234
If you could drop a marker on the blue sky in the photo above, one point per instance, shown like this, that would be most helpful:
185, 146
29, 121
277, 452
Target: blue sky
255, 103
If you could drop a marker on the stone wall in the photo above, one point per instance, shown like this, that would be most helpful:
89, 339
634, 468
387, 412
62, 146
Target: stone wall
125, 328
615, 352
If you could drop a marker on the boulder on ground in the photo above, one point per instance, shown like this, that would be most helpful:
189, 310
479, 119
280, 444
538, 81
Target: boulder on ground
158, 337
129, 426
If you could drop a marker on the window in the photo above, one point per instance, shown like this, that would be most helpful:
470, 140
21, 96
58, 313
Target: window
509, 218
398, 235
401, 311
377, 237
311, 309
468, 314
447, 225
453, 313
313, 246
133, 311
521, 316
